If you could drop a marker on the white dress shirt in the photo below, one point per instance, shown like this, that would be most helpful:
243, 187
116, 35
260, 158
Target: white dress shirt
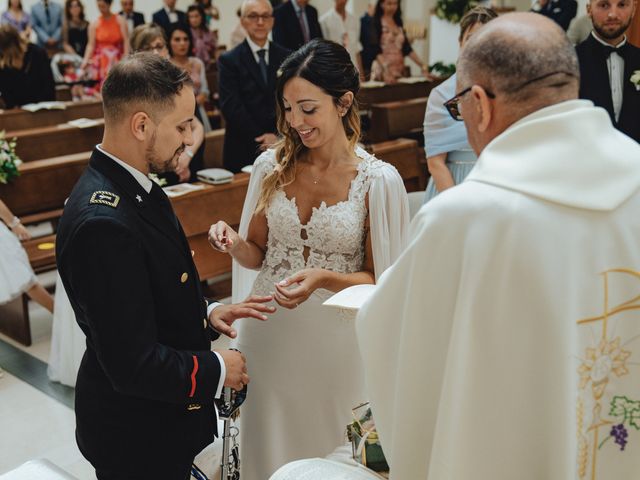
173, 16
146, 183
345, 32
255, 47
615, 67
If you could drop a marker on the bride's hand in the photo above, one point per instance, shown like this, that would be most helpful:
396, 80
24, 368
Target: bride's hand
222, 237
307, 281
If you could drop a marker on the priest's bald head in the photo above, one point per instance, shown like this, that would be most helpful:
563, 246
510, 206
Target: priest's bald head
513, 66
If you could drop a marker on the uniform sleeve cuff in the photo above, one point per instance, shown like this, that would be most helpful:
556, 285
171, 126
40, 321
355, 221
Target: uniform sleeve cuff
211, 306
223, 374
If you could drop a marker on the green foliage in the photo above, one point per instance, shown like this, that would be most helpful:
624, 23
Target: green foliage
453, 10
9, 161
442, 69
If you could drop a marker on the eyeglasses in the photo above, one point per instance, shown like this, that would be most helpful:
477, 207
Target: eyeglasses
453, 104
254, 17
156, 48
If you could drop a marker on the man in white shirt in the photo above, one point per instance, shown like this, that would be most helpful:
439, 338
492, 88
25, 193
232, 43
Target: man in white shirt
343, 27
168, 15
503, 344
609, 64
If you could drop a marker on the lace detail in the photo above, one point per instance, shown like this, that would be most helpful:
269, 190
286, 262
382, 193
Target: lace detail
334, 234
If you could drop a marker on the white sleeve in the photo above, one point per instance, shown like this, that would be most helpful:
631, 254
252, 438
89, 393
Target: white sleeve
389, 217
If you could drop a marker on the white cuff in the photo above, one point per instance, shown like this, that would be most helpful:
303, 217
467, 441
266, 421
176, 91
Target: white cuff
223, 375
210, 308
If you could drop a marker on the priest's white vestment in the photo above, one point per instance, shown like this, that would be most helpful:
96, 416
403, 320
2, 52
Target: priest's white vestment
505, 342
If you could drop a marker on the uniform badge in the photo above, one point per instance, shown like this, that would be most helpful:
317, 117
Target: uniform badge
105, 198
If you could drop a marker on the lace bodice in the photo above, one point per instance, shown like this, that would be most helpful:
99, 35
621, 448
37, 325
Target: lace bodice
335, 234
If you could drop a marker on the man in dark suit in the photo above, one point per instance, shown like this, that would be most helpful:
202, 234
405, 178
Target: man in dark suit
608, 62
246, 87
296, 22
146, 384
168, 15
560, 11
132, 18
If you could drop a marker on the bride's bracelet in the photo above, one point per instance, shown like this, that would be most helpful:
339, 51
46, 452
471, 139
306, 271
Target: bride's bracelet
15, 221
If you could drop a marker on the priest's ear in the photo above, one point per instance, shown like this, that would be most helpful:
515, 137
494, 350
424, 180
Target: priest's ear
483, 107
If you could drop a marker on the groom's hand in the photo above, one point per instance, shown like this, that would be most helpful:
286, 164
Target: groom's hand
223, 316
236, 367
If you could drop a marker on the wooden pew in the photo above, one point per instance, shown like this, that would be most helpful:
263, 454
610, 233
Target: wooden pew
214, 142
396, 119
406, 156
18, 119
55, 141
367, 96
39, 192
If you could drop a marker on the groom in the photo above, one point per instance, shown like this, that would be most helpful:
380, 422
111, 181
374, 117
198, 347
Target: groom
146, 385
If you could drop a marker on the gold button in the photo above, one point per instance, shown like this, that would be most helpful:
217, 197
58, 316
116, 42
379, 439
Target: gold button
206, 324
193, 253
184, 277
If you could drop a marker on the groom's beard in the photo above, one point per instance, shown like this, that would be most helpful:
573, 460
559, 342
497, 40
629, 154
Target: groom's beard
156, 164
608, 35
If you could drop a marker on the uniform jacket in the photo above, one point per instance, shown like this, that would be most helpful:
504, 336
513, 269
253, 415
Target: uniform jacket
595, 86
286, 29
247, 104
147, 381
47, 28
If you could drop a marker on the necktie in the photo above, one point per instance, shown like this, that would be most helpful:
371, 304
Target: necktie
263, 65
47, 12
163, 202
303, 25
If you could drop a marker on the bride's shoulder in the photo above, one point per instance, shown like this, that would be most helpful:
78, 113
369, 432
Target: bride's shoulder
373, 167
266, 162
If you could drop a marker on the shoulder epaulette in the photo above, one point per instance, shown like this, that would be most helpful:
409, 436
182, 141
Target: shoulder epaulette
105, 198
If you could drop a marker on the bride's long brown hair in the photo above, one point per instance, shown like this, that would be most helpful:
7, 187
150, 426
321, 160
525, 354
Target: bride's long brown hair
328, 66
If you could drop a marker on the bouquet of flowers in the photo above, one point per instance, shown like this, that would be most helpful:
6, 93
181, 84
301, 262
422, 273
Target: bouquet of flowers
9, 161
364, 440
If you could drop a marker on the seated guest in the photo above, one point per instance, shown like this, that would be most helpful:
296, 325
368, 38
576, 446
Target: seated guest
560, 11
608, 62
342, 27
204, 40
46, 19
16, 274
133, 18
246, 87
512, 354
449, 155
151, 38
392, 43
579, 29
296, 22
168, 15
211, 13
25, 73
74, 28
17, 18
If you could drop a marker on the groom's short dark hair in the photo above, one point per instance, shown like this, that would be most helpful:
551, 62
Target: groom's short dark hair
142, 82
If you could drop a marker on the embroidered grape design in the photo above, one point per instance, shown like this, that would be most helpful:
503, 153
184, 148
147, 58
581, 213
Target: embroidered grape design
619, 432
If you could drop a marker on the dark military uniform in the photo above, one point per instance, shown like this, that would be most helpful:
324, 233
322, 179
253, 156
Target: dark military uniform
146, 385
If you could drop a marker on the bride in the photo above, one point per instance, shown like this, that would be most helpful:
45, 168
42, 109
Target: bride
320, 215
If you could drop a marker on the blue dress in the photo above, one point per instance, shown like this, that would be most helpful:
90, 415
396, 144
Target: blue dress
443, 134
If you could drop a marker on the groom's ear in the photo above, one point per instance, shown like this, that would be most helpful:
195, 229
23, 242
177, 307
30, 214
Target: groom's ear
140, 125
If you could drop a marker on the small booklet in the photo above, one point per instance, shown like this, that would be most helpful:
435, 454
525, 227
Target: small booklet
34, 107
351, 298
85, 122
181, 189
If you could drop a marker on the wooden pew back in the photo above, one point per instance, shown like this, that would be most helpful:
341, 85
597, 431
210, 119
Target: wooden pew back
396, 119
405, 155
18, 119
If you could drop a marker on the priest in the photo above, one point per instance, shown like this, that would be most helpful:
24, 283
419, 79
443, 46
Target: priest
505, 342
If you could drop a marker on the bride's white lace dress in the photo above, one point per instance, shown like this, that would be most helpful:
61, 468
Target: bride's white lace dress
305, 368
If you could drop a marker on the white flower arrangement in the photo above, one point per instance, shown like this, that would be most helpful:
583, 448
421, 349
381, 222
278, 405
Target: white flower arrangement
9, 160
635, 79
